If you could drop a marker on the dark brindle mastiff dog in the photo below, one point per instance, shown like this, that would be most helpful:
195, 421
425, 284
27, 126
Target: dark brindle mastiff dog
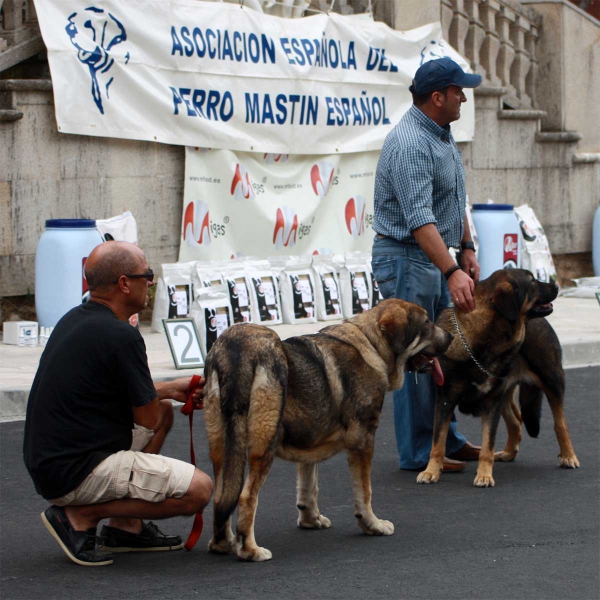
306, 399
501, 353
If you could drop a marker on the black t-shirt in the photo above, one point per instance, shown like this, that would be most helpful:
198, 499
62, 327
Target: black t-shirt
92, 372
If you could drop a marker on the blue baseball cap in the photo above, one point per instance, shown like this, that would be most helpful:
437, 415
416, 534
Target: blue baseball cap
440, 73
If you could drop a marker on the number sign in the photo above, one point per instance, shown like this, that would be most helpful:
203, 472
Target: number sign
184, 342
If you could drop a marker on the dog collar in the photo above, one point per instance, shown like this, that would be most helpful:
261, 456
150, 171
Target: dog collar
464, 341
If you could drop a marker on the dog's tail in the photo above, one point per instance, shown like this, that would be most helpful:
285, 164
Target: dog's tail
235, 382
530, 399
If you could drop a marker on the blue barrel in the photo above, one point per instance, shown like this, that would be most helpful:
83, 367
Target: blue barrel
498, 233
596, 243
59, 262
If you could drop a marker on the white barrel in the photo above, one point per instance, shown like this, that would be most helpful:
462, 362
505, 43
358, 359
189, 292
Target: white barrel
596, 243
59, 262
498, 233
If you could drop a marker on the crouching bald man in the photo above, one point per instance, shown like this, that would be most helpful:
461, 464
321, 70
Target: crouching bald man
96, 423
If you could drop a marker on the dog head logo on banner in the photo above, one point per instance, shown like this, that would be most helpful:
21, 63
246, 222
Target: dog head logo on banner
196, 224
321, 176
286, 228
241, 188
355, 215
435, 49
94, 32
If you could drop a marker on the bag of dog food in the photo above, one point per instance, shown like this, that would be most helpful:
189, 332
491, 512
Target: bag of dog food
355, 281
535, 252
207, 274
239, 296
298, 291
264, 292
327, 286
174, 293
211, 311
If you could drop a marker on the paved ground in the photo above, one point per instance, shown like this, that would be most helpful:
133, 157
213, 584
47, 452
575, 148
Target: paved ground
535, 535
575, 320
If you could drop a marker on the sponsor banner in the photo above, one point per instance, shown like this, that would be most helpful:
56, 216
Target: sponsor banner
219, 75
261, 205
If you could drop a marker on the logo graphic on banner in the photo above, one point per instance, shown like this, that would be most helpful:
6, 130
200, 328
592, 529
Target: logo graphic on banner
355, 215
94, 33
241, 188
321, 176
273, 159
196, 224
435, 49
286, 228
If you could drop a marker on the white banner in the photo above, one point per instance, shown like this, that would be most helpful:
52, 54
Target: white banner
217, 75
261, 205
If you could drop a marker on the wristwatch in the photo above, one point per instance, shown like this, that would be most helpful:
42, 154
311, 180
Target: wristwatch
467, 246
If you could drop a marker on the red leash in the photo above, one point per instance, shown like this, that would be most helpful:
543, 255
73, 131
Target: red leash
188, 409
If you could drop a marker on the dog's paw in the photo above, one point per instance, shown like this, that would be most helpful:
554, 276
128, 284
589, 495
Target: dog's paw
223, 547
505, 456
377, 527
428, 477
484, 481
569, 462
318, 522
256, 554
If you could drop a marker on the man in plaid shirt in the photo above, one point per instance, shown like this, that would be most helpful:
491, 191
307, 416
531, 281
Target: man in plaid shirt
420, 201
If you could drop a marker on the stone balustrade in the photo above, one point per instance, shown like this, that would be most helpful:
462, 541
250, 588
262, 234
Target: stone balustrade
499, 37
19, 32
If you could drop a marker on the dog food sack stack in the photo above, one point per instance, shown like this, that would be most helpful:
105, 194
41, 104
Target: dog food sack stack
535, 252
264, 292
239, 296
327, 286
207, 274
211, 311
174, 293
298, 291
355, 281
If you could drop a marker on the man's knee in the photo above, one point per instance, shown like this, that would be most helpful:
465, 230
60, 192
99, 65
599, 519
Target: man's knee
199, 492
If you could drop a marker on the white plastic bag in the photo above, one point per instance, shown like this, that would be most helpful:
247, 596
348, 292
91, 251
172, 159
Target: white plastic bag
535, 252
174, 293
211, 311
239, 296
327, 285
297, 286
121, 228
207, 274
264, 292
355, 281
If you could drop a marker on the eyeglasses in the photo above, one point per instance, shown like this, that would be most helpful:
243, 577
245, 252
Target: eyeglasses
149, 275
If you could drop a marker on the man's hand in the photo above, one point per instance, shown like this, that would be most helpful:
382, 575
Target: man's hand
469, 264
178, 390
461, 288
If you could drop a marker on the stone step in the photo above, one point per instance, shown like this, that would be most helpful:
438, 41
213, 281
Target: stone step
8, 115
558, 137
522, 115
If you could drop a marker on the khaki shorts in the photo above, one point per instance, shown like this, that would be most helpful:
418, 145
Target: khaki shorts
133, 474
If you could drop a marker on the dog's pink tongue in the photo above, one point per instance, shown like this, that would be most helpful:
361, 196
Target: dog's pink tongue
437, 372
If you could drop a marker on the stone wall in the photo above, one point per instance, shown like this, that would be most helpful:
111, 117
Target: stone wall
568, 85
45, 174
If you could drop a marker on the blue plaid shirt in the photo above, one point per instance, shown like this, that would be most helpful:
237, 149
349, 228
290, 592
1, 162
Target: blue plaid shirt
420, 179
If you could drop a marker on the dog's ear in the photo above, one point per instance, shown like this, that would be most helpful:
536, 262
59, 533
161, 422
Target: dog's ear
394, 323
507, 300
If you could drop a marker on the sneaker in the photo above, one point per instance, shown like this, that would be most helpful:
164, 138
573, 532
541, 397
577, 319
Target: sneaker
149, 539
79, 546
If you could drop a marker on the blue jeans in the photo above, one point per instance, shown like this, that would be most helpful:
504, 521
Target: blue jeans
404, 271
